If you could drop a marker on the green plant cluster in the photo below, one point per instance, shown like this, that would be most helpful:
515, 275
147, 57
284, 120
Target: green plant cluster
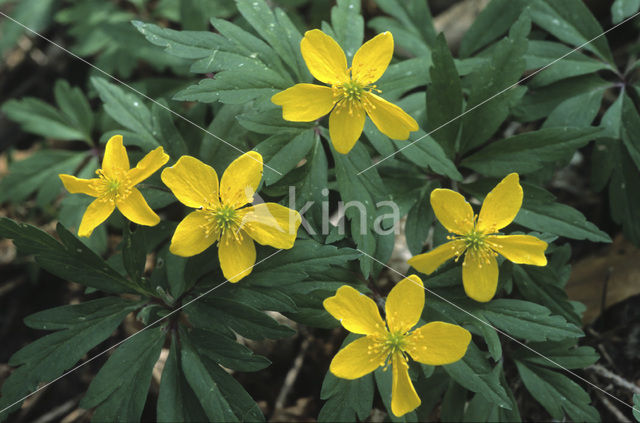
221, 79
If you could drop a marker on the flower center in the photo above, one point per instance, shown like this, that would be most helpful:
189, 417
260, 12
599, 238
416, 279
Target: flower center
220, 220
112, 188
395, 342
352, 91
474, 240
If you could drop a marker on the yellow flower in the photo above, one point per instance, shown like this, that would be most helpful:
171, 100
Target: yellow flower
351, 90
435, 343
220, 216
115, 187
479, 239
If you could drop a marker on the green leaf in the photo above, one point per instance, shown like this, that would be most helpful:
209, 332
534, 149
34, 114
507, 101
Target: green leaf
538, 103
419, 221
631, 129
120, 388
506, 65
227, 352
176, 399
166, 132
405, 76
185, 44
475, 374
311, 188
384, 382
557, 393
412, 27
33, 14
69, 260
346, 399
622, 9
277, 30
364, 190
221, 396
80, 328
543, 53
348, 26
546, 215
577, 112
42, 119
444, 98
128, 110
283, 153
527, 320
528, 152
572, 22
636, 406
39, 173
565, 353
623, 198
492, 22
453, 397
241, 318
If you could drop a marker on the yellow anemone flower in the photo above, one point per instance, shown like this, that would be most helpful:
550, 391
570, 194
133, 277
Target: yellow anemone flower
350, 96
476, 235
220, 215
115, 187
435, 343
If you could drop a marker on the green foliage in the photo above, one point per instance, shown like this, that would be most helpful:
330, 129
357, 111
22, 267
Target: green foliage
216, 64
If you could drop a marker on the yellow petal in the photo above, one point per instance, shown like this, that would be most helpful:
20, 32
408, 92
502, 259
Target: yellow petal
115, 157
501, 205
522, 249
190, 237
324, 57
194, 183
404, 304
428, 262
345, 125
135, 208
241, 179
359, 358
96, 213
237, 255
372, 59
304, 102
153, 161
438, 343
480, 275
356, 312
271, 224
79, 186
404, 398
390, 119
452, 210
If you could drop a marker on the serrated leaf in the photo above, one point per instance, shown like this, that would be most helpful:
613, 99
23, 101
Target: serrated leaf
176, 399
221, 396
185, 44
527, 320
506, 65
42, 119
571, 22
528, 152
623, 198
226, 352
565, 353
284, 152
492, 22
70, 260
128, 110
557, 393
83, 326
39, 173
348, 26
578, 111
574, 63
444, 97
474, 373
346, 399
120, 388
